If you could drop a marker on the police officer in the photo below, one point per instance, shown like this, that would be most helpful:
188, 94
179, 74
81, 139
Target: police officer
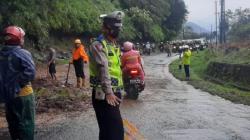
106, 78
17, 70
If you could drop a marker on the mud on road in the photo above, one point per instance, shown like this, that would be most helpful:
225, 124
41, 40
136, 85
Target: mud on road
55, 101
167, 110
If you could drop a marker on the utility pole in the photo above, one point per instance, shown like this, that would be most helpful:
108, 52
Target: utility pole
222, 23
216, 22
211, 35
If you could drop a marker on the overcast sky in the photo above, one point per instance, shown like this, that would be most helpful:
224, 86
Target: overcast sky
202, 12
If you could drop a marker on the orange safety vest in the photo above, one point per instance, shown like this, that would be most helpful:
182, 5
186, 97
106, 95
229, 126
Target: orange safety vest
80, 53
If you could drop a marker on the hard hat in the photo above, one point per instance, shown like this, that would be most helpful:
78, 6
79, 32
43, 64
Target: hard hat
13, 35
113, 20
128, 46
78, 41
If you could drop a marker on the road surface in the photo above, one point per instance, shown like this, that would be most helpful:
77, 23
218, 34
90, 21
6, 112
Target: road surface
167, 110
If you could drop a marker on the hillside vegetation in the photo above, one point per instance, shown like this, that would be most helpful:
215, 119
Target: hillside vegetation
156, 20
238, 24
224, 82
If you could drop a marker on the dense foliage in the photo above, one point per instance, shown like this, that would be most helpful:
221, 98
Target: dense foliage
239, 24
156, 20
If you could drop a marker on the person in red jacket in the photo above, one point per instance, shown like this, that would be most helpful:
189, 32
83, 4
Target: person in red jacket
131, 59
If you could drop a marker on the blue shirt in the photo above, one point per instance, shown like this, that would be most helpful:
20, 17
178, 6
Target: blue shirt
17, 69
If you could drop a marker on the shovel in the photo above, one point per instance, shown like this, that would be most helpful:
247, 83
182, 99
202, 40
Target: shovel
67, 78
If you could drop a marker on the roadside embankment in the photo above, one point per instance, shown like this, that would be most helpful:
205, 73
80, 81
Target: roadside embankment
56, 101
221, 71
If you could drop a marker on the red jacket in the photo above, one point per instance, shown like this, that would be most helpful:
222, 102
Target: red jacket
132, 60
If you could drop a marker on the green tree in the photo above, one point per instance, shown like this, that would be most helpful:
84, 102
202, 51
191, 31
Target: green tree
239, 24
145, 20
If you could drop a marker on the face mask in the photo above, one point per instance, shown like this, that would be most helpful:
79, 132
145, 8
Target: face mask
115, 33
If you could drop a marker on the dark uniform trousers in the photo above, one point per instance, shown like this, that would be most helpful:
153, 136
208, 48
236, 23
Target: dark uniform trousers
20, 117
109, 119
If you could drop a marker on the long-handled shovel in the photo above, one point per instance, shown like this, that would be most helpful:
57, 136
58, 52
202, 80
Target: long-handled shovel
67, 78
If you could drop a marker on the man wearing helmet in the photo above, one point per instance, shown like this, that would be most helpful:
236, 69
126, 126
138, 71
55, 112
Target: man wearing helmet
16, 73
161, 47
106, 78
186, 60
79, 56
131, 59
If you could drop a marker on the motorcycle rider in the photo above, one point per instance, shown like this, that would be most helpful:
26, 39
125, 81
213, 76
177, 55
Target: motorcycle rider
153, 47
131, 59
137, 47
161, 47
106, 78
17, 70
148, 48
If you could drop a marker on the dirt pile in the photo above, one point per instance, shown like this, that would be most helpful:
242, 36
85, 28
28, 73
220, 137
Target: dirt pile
55, 101
54, 96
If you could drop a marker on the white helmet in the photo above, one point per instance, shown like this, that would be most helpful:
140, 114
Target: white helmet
128, 46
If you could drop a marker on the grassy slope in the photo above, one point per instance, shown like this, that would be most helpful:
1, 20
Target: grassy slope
198, 80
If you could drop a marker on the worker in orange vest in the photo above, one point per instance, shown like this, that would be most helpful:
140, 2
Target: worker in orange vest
79, 57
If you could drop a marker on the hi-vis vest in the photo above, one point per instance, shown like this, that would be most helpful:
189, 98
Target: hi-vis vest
113, 55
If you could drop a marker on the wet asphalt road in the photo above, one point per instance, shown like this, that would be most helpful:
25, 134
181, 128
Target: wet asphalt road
167, 110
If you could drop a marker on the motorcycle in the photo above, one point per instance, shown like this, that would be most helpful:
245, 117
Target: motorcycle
161, 49
148, 51
133, 84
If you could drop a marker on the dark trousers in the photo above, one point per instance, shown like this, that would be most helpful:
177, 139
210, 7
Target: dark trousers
78, 64
109, 119
52, 70
187, 71
20, 114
